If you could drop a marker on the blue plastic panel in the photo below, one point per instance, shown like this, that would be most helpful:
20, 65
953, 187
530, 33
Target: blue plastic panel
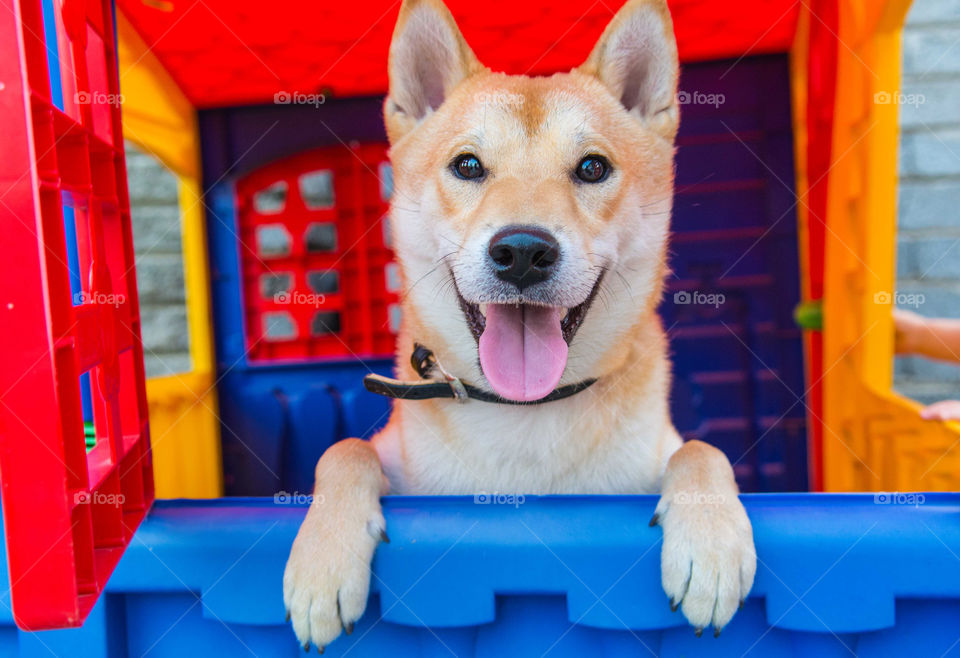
567, 576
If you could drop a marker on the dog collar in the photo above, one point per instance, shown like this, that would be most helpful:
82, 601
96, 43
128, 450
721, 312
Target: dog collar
424, 362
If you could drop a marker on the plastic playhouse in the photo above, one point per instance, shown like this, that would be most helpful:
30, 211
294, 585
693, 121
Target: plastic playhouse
271, 120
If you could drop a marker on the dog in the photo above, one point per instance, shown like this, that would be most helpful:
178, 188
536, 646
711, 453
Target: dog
530, 218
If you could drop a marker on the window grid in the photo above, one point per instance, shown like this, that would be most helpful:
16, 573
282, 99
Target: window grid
318, 249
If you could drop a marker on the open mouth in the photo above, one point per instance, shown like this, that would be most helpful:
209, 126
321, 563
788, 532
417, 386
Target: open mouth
523, 345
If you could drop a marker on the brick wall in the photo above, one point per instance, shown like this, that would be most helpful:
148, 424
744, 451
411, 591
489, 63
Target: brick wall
156, 241
928, 243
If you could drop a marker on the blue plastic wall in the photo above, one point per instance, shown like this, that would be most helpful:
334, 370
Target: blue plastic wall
738, 365
737, 353
557, 576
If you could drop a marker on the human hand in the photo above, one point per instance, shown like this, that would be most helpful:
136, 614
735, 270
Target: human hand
943, 410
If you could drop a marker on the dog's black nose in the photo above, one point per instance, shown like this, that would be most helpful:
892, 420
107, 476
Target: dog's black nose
523, 255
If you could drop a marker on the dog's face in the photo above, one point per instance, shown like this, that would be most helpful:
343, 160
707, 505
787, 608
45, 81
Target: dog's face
530, 215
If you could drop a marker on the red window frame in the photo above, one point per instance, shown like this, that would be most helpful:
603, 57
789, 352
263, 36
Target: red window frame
68, 512
366, 300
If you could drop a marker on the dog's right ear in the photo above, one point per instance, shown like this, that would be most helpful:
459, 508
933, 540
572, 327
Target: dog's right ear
428, 58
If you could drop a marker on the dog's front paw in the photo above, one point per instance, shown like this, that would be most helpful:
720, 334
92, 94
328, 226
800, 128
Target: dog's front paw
708, 560
327, 578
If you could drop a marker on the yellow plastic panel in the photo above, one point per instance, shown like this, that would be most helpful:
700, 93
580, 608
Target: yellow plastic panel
873, 439
156, 114
184, 423
185, 436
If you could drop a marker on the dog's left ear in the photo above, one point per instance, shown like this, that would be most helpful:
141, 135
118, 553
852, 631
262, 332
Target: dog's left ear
636, 58
428, 58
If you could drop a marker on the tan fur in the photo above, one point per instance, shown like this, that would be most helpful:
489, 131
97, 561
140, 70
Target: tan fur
615, 437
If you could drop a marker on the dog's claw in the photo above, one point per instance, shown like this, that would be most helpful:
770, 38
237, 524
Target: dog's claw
655, 519
306, 648
741, 605
384, 537
716, 632
287, 620
348, 628
320, 649
698, 632
674, 605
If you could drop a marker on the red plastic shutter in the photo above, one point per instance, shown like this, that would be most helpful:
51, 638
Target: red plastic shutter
68, 514
365, 299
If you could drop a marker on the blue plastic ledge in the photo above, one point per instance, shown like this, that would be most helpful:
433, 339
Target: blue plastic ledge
557, 576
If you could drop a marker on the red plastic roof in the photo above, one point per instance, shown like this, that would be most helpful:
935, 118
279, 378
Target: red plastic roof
234, 52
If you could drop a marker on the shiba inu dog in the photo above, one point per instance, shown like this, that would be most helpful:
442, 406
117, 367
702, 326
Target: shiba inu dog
530, 218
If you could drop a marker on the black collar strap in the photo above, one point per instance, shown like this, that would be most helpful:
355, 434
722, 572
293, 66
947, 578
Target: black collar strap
424, 362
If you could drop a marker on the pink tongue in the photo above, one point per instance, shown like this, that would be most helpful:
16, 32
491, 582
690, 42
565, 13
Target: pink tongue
522, 351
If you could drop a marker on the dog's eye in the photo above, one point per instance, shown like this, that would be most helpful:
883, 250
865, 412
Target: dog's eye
468, 166
593, 169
